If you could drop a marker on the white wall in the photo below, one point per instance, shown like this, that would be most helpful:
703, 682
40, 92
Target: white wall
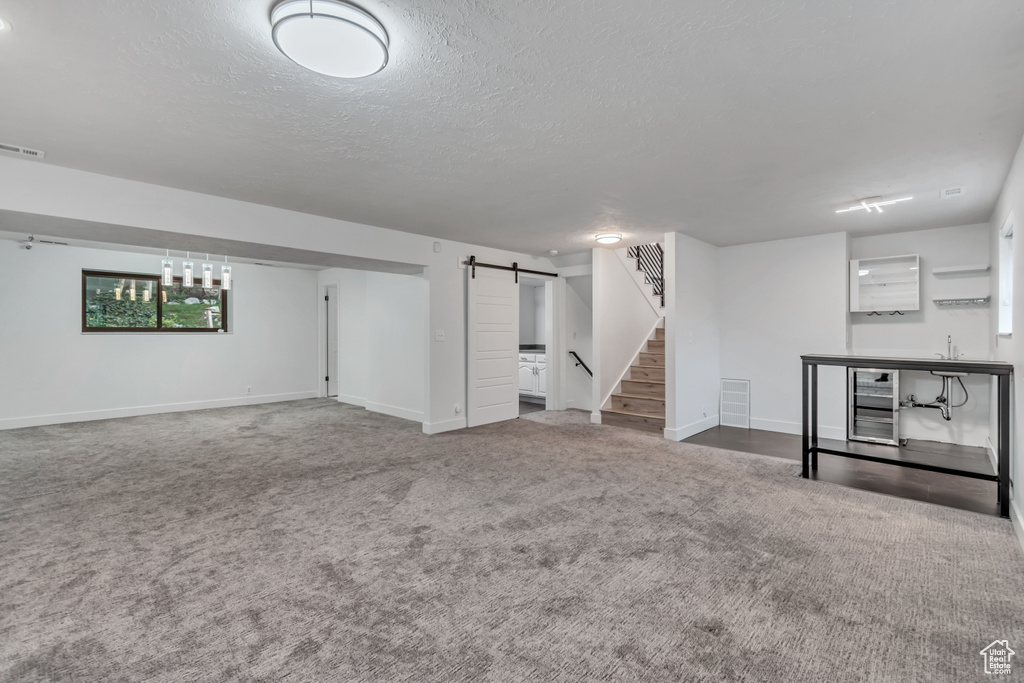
540, 313
923, 333
579, 338
382, 328
41, 188
692, 336
527, 314
1010, 349
51, 372
533, 307
780, 300
622, 322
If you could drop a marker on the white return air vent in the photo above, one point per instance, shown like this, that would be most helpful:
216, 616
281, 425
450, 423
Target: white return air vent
23, 151
952, 192
734, 408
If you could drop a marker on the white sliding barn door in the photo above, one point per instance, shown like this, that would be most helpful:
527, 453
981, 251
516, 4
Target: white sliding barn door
492, 343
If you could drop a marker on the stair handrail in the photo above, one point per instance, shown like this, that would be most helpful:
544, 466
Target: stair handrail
650, 260
579, 362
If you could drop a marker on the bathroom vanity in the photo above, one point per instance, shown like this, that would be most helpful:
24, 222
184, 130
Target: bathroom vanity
878, 366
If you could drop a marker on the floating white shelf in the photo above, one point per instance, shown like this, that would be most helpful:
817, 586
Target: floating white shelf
967, 301
950, 270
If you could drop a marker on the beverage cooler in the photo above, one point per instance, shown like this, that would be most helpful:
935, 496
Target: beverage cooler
874, 408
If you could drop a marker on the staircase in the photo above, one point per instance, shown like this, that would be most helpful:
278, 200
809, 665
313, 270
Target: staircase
641, 402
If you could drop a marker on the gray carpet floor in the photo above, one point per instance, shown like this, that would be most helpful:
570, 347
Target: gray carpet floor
314, 541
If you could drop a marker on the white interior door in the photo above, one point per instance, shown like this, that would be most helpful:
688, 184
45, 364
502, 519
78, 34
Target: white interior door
332, 340
492, 343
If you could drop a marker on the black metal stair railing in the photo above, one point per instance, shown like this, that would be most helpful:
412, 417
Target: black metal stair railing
650, 260
579, 362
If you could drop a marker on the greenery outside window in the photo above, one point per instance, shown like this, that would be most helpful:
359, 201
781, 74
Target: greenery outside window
135, 302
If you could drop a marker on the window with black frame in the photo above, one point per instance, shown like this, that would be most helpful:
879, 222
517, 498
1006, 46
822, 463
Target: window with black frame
135, 302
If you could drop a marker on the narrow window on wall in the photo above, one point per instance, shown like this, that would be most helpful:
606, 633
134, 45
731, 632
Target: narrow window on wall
1006, 277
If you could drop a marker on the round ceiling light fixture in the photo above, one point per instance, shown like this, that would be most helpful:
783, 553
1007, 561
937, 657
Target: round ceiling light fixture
608, 237
5, 26
330, 37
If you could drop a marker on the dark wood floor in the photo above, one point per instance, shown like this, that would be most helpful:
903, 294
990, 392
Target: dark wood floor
958, 492
530, 407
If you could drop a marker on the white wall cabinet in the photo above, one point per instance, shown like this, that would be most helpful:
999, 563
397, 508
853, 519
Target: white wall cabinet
533, 374
887, 284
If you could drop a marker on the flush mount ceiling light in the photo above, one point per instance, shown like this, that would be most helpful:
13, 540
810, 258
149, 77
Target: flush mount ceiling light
330, 37
873, 204
608, 237
5, 26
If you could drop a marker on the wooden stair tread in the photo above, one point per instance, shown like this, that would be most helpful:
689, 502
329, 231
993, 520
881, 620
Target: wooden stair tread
624, 394
650, 367
633, 414
645, 381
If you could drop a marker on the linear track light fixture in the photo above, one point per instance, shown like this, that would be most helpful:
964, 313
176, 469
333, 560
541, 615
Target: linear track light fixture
871, 204
330, 37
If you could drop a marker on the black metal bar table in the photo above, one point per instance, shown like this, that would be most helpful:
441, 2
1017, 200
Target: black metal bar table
1001, 370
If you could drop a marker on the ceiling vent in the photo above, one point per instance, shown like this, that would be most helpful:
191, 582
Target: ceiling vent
952, 192
24, 151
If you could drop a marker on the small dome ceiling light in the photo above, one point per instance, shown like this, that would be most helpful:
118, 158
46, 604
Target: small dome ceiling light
5, 26
608, 237
871, 204
330, 37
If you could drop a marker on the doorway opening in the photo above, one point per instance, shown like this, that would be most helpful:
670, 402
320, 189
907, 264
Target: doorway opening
535, 336
331, 340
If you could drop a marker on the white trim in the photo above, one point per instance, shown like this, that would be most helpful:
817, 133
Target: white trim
1017, 520
395, 411
112, 413
785, 427
351, 400
685, 432
444, 426
595, 417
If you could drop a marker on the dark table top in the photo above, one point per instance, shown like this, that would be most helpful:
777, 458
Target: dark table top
981, 367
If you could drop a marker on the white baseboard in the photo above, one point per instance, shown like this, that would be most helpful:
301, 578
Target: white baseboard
395, 411
444, 426
992, 454
1017, 520
685, 432
595, 417
111, 413
351, 400
785, 427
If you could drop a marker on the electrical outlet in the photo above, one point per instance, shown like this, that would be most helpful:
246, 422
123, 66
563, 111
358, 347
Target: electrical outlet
248, 391
439, 335
458, 409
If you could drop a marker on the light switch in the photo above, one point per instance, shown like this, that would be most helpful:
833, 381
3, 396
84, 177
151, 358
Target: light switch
439, 335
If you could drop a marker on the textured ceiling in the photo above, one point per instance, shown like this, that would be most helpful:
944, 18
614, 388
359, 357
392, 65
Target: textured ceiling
532, 125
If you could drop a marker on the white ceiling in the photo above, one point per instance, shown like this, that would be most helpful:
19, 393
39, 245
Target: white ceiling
533, 125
